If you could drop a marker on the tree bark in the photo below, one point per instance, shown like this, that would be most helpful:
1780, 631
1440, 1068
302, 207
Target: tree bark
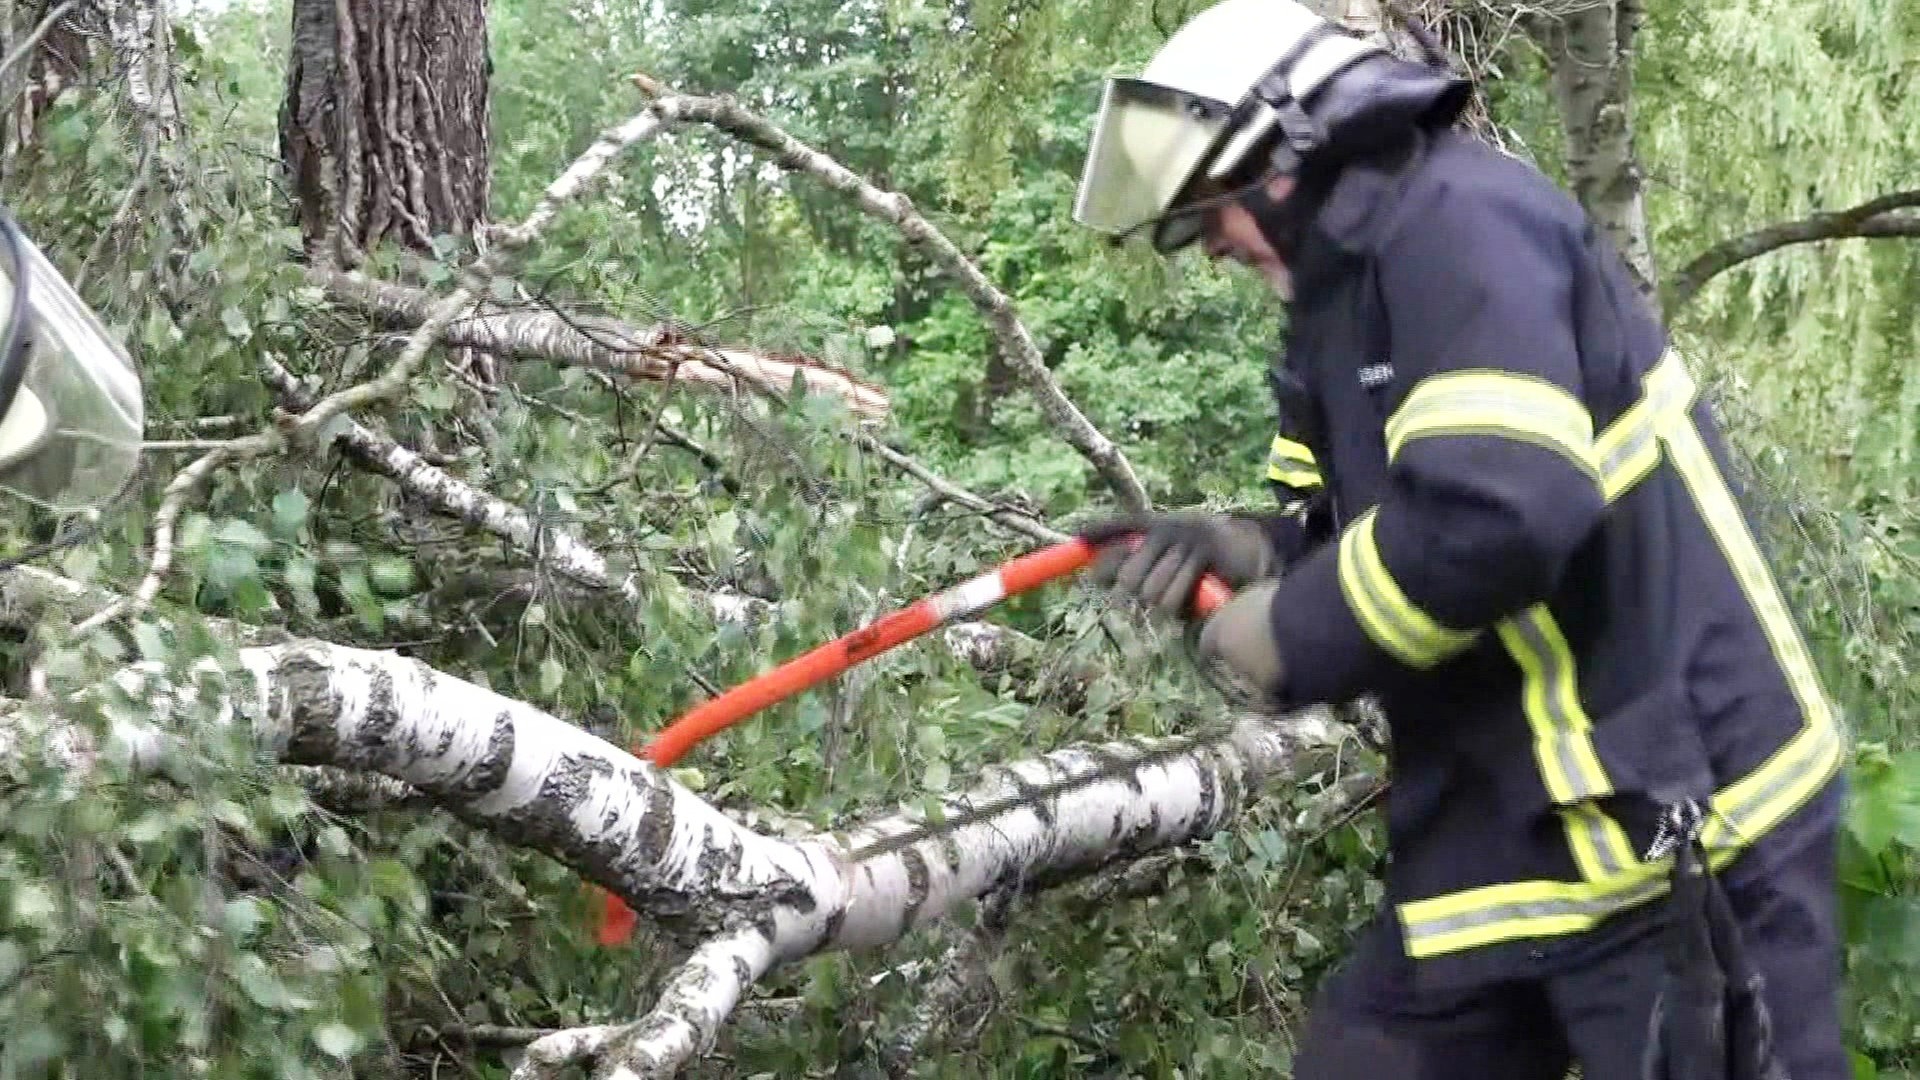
1590, 48
59, 59
744, 900
383, 129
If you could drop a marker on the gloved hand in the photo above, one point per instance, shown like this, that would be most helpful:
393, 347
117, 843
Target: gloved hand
1175, 550
1237, 648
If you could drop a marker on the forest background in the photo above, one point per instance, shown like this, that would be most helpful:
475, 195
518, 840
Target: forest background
463, 458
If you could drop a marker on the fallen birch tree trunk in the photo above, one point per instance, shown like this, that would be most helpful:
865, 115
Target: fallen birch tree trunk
739, 901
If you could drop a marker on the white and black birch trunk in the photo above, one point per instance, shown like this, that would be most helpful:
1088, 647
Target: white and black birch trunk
1590, 48
739, 900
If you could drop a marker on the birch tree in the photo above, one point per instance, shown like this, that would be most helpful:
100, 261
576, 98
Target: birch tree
313, 753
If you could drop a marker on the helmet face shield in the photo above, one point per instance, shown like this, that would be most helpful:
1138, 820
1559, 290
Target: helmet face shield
71, 413
1147, 143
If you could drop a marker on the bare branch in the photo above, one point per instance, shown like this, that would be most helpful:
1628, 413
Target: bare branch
612, 346
1009, 333
698, 999
458, 499
1006, 515
306, 429
173, 501
1876, 218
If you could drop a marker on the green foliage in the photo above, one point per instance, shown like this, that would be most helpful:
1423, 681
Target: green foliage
216, 920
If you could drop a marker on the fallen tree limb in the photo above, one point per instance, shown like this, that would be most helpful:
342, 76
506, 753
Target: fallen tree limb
458, 499
742, 901
1876, 218
1008, 331
602, 344
983, 645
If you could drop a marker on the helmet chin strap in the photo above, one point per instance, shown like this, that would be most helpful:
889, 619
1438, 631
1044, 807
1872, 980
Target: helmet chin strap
1284, 220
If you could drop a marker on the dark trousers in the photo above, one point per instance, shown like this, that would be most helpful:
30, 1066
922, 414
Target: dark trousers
1368, 1024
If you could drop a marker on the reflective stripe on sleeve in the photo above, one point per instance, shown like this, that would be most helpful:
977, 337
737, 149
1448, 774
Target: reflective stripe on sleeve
1481, 402
1383, 611
1292, 464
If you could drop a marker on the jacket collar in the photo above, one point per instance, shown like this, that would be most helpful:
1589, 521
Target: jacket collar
1355, 215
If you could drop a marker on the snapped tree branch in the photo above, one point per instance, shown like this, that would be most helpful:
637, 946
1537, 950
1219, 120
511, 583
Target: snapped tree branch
741, 901
1008, 331
608, 345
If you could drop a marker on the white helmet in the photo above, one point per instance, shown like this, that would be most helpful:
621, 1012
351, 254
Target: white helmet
71, 412
1228, 80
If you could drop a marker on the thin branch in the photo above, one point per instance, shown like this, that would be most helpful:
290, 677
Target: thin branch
601, 344
306, 430
698, 999
1874, 219
458, 499
173, 501
32, 40
1014, 519
1008, 331
1007, 516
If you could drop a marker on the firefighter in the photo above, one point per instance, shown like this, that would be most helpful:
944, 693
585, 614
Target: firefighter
71, 410
1508, 518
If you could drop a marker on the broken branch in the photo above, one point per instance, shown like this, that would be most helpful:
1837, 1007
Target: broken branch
1008, 331
750, 900
611, 345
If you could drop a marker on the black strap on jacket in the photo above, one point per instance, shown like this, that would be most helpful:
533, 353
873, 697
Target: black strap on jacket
1709, 1019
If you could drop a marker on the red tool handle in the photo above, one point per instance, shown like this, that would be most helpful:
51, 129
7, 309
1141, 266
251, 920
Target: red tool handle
1020, 574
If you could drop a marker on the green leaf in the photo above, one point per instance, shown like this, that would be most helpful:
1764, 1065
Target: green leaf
938, 775
337, 1039
552, 674
391, 575
239, 533
334, 841
437, 395
289, 513
300, 574
392, 879
238, 326
33, 904
241, 917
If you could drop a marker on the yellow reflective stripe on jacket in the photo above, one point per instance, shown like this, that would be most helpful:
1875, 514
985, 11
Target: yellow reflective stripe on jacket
1480, 402
1292, 463
1524, 909
1741, 812
1563, 744
1629, 448
1383, 611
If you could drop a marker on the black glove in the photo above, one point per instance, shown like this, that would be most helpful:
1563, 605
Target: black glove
1238, 651
1174, 551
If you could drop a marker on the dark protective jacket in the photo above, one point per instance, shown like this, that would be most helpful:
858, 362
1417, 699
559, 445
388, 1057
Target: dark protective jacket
1514, 526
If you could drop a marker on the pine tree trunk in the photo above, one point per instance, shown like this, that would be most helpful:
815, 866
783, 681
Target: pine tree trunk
383, 129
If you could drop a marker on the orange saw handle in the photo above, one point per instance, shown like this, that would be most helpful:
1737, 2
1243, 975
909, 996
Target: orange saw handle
1018, 575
